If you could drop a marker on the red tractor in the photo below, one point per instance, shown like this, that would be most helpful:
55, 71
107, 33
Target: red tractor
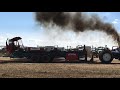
13, 44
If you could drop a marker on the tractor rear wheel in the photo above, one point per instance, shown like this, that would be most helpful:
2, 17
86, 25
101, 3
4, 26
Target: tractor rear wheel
106, 56
51, 59
46, 58
35, 58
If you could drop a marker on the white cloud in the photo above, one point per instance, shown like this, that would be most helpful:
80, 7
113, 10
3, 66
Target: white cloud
3, 38
62, 39
116, 21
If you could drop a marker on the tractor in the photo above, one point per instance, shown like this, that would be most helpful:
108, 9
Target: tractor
107, 55
96, 51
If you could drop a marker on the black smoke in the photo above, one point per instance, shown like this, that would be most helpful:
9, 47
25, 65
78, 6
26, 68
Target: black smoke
79, 22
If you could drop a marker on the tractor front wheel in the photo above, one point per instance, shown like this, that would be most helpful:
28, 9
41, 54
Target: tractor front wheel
106, 56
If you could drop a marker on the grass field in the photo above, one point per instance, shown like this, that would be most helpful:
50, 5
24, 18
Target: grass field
24, 69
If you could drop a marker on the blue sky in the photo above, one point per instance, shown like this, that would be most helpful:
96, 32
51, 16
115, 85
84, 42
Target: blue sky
23, 24
17, 22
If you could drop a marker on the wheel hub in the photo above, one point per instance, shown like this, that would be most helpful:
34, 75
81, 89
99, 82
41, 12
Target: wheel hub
106, 57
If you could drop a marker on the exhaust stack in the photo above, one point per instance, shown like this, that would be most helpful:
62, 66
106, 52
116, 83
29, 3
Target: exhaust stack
118, 40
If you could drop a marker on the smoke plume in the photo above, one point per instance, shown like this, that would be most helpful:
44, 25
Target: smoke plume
79, 22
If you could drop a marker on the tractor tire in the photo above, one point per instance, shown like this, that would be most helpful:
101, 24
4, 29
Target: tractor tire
46, 58
51, 59
106, 56
40, 59
28, 57
35, 58
32, 58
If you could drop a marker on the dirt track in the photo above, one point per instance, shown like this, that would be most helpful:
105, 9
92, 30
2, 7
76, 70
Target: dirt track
21, 69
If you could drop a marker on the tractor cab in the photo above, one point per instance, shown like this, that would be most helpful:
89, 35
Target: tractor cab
14, 44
